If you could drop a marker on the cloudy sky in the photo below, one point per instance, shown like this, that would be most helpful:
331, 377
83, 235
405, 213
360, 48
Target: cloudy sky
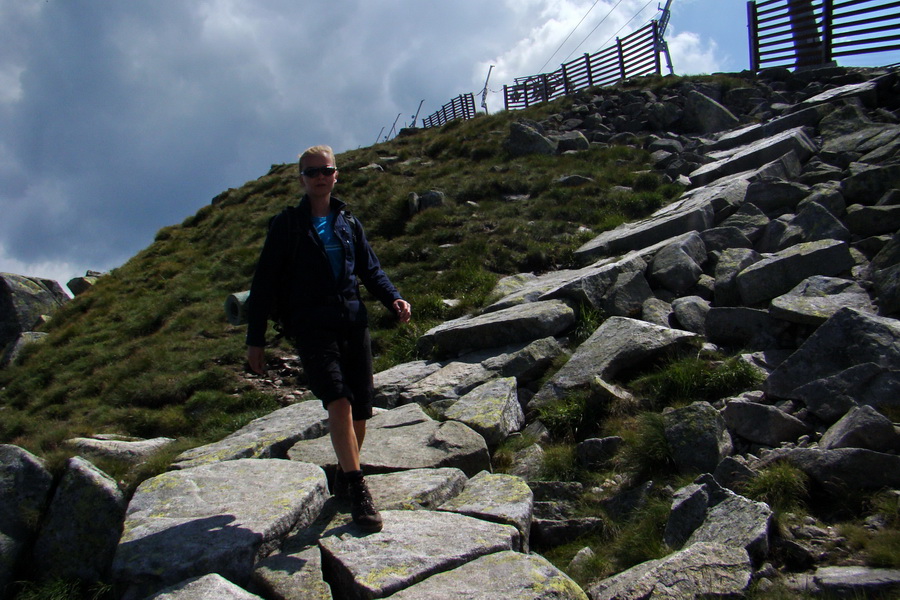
118, 118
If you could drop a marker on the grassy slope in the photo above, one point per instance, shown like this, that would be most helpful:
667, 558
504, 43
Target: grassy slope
148, 352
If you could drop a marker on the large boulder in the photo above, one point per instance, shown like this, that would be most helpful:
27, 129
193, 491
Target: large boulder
25, 486
215, 518
697, 437
490, 330
79, 534
23, 301
412, 546
848, 339
702, 570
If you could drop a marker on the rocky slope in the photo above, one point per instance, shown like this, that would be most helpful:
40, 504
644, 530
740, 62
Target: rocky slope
785, 247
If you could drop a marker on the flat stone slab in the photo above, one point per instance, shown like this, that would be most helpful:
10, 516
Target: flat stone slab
406, 438
778, 273
857, 581
504, 575
203, 588
496, 497
417, 489
755, 155
736, 522
129, 451
266, 437
292, 576
508, 326
214, 518
412, 546
703, 570
617, 344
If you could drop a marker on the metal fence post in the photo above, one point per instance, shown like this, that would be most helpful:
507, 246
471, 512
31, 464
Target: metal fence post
753, 34
621, 57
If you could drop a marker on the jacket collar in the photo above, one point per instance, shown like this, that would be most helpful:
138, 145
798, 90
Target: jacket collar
337, 205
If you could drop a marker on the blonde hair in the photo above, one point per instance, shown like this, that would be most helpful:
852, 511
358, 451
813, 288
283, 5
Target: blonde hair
325, 151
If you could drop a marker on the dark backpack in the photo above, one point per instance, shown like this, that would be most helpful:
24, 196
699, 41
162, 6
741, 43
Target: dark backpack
280, 313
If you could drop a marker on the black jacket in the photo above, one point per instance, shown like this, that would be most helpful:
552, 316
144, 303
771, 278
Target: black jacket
293, 258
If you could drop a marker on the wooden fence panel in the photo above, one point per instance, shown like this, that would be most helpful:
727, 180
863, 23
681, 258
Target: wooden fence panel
634, 55
796, 33
461, 107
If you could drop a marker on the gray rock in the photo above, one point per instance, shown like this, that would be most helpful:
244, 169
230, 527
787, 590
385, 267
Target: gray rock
617, 344
761, 423
857, 581
550, 533
292, 576
451, 381
406, 438
866, 384
570, 141
517, 324
25, 486
776, 197
688, 512
507, 575
492, 409
657, 312
869, 183
498, 498
220, 517
15, 348
592, 284
778, 273
814, 300
867, 221
527, 138
595, 453
203, 588
754, 155
811, 224
731, 262
722, 238
690, 313
887, 287
841, 470
862, 427
82, 527
676, 267
390, 382
128, 451
266, 437
23, 300
736, 522
700, 570
739, 327
702, 114
697, 437
627, 295
412, 546
733, 472
847, 339
524, 363
416, 489
528, 462
694, 211
749, 220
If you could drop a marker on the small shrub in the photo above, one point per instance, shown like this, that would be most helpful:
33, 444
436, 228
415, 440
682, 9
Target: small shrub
559, 463
690, 379
587, 320
781, 485
641, 539
646, 450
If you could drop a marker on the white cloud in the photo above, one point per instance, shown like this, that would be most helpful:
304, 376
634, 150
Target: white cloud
691, 56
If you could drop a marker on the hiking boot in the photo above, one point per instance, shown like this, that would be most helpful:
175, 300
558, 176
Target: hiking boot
362, 508
339, 485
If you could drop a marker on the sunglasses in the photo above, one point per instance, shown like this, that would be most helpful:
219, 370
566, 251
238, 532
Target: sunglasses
316, 171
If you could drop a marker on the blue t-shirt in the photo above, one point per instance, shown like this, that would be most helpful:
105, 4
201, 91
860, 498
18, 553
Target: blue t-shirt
325, 228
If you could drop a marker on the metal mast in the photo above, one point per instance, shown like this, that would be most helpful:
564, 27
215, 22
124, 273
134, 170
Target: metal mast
662, 45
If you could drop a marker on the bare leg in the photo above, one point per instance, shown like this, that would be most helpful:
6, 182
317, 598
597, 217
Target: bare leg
343, 434
359, 427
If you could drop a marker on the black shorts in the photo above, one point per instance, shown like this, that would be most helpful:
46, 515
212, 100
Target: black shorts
338, 364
